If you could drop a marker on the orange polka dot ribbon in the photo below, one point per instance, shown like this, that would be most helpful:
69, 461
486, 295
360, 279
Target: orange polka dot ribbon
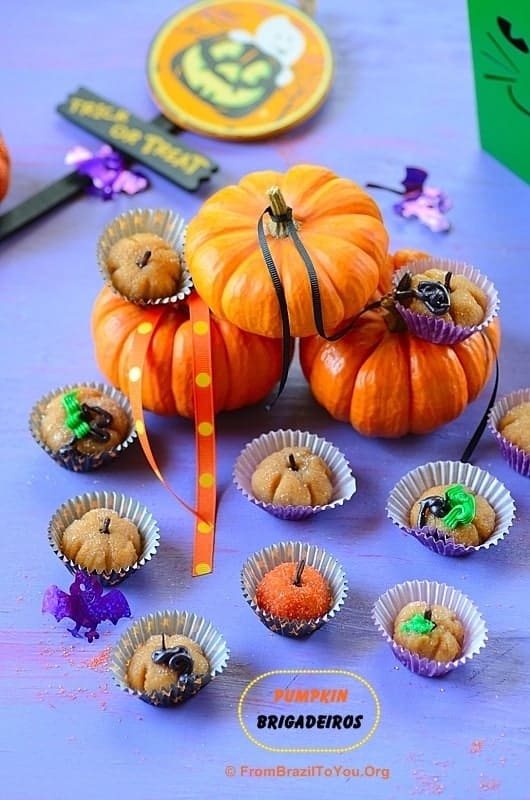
206, 498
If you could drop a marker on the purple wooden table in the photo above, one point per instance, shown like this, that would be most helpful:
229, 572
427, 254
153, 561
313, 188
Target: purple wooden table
402, 94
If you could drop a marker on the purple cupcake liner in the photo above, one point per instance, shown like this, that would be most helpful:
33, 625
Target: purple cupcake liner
262, 562
165, 223
344, 485
389, 604
70, 458
432, 328
409, 488
185, 623
518, 459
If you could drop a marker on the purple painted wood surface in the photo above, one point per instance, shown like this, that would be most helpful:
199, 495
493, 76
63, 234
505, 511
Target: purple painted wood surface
402, 94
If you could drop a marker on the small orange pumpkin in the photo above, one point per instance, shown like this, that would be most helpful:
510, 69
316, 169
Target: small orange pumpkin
5, 168
387, 382
338, 223
245, 366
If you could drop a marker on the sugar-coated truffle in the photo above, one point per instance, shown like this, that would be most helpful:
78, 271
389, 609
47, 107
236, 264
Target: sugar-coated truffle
158, 663
432, 509
293, 476
102, 541
144, 267
468, 302
85, 418
430, 631
294, 591
515, 426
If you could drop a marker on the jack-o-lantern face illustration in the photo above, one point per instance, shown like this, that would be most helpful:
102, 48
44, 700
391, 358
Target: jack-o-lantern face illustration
500, 38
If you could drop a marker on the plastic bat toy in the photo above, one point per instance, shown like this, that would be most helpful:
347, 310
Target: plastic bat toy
427, 203
86, 605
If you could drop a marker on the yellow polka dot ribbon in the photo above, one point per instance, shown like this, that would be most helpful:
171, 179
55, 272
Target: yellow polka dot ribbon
206, 498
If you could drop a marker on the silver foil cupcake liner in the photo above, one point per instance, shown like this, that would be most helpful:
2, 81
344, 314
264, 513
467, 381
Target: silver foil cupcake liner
518, 459
343, 482
262, 562
409, 488
165, 223
74, 508
185, 623
434, 329
388, 606
69, 457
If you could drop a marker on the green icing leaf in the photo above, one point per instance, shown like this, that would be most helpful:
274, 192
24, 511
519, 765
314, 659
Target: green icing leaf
418, 624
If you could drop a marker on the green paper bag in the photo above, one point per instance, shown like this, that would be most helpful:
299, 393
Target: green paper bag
500, 42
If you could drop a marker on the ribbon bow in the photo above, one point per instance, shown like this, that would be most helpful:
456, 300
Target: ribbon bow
106, 169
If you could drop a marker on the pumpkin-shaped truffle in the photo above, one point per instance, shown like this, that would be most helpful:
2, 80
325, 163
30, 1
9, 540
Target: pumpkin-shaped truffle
144, 267
294, 590
444, 509
102, 541
159, 662
515, 426
293, 476
84, 418
431, 631
467, 302
245, 367
338, 225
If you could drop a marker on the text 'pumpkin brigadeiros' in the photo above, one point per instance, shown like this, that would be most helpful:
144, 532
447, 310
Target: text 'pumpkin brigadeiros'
387, 382
245, 366
326, 241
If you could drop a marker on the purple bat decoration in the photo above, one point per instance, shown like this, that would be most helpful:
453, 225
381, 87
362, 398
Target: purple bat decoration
86, 605
106, 169
426, 203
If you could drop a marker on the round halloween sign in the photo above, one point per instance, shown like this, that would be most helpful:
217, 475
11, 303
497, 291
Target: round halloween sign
236, 69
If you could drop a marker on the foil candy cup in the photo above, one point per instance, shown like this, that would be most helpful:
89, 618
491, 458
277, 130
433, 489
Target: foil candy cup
343, 482
185, 623
517, 458
434, 329
126, 507
262, 562
409, 488
165, 223
71, 458
389, 604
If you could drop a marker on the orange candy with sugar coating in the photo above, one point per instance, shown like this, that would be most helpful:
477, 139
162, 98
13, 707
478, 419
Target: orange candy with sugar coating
278, 593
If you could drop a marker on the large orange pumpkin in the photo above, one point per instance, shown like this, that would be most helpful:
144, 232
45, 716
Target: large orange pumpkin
5, 168
387, 382
245, 366
338, 223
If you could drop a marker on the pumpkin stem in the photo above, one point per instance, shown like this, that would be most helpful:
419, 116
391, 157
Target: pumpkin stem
393, 319
144, 260
105, 526
280, 214
298, 574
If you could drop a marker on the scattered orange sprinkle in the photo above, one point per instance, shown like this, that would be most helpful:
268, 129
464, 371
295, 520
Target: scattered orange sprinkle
477, 745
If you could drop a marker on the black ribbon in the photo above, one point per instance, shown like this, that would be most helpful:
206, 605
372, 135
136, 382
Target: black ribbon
475, 439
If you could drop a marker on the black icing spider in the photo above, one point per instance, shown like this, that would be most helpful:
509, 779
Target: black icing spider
433, 294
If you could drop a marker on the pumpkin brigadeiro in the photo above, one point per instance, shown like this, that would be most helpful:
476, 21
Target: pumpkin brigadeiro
342, 244
164, 659
467, 302
144, 267
102, 541
431, 631
454, 512
515, 426
293, 476
294, 591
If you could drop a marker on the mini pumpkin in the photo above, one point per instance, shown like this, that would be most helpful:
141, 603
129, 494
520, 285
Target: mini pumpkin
339, 226
433, 632
293, 476
102, 541
387, 382
5, 168
245, 366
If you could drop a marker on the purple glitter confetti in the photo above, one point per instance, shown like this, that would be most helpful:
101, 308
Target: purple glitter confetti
86, 605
